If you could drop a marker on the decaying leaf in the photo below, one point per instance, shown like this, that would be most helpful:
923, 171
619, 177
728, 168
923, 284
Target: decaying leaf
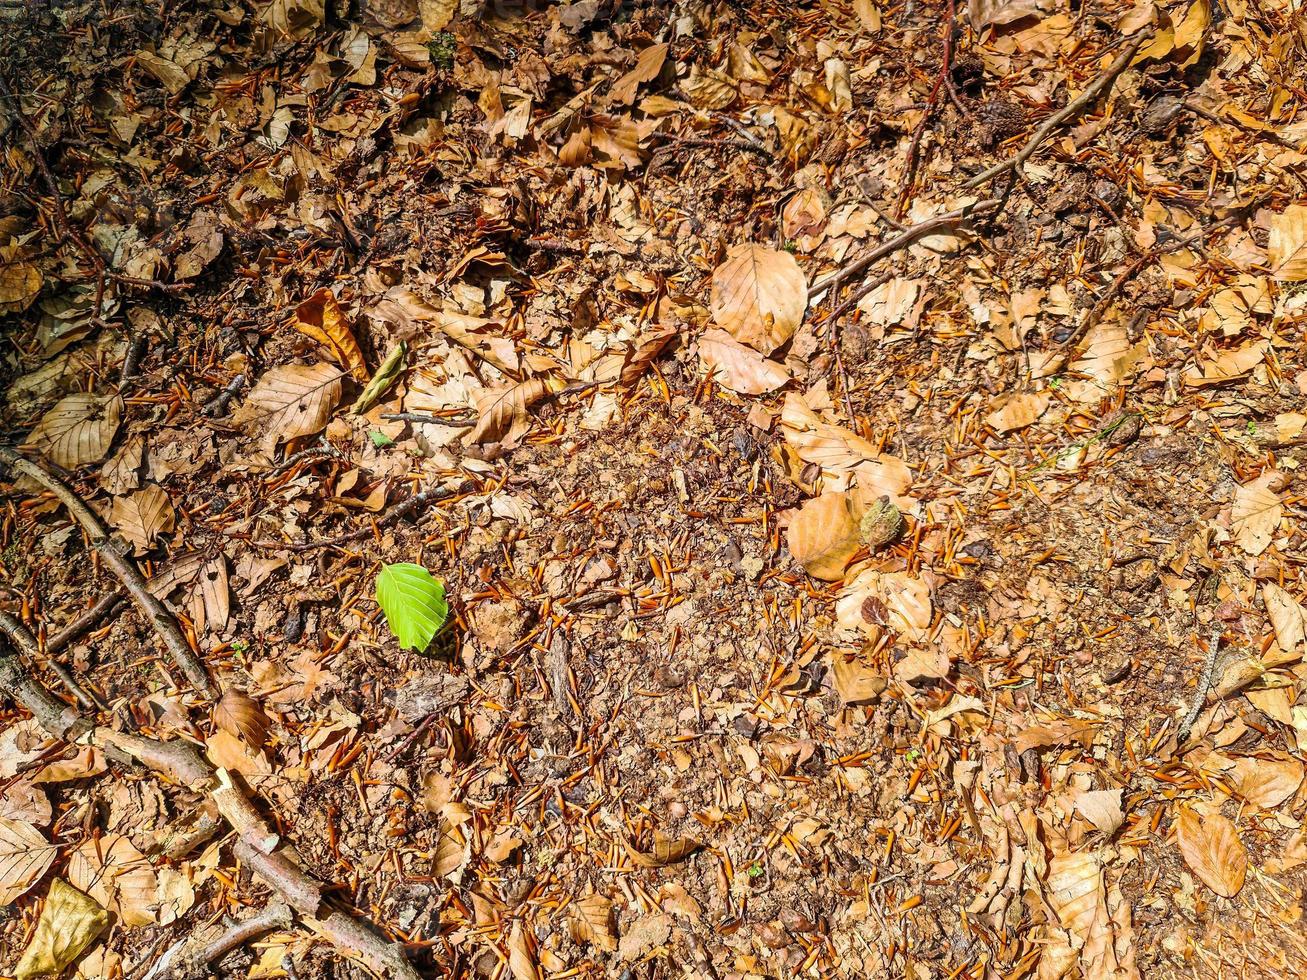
70, 921
503, 414
141, 517
739, 368
593, 922
662, 852
78, 430
1211, 847
1101, 807
1256, 512
290, 401
1077, 893
1287, 616
521, 961
24, 857
759, 296
1017, 410
645, 351
20, 284
122, 471
891, 600
844, 457
321, 318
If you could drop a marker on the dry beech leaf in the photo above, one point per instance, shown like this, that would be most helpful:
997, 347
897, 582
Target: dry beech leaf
118, 876
644, 352
1017, 410
290, 401
1076, 892
436, 14
239, 714
70, 921
1287, 616
122, 471
1101, 807
210, 604
78, 430
521, 961
759, 296
665, 851
647, 67
141, 517
503, 414
593, 922
856, 682
25, 855
824, 535
1211, 847
321, 318
1256, 512
1286, 250
20, 284
843, 456
896, 601
1266, 783
739, 368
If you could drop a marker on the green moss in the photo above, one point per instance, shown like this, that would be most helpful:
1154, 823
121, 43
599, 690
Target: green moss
443, 47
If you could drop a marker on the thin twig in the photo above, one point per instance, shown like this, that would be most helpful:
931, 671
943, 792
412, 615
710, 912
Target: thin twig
31, 649
189, 959
1097, 87
1204, 685
216, 405
122, 566
294, 459
86, 622
932, 102
903, 239
394, 513
425, 419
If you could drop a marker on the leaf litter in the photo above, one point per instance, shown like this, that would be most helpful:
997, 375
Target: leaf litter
858, 448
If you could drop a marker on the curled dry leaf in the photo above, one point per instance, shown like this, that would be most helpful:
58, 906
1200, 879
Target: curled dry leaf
664, 851
239, 714
78, 430
321, 318
644, 351
70, 922
739, 368
25, 855
290, 401
855, 680
1266, 783
1077, 893
759, 296
1211, 847
122, 471
844, 457
1101, 807
141, 517
893, 600
503, 413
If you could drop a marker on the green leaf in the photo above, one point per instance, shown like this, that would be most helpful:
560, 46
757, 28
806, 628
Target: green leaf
386, 375
414, 603
380, 439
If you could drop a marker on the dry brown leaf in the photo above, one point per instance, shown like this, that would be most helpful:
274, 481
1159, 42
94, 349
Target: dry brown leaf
1076, 892
122, 471
844, 457
70, 921
25, 855
141, 517
78, 430
593, 922
1287, 616
503, 414
239, 714
894, 600
759, 296
1101, 807
824, 535
210, 605
647, 68
118, 876
1256, 512
1286, 249
436, 14
1211, 847
1017, 410
739, 368
644, 352
855, 680
290, 401
1224, 366
1266, 783
20, 284
665, 851
321, 318
521, 961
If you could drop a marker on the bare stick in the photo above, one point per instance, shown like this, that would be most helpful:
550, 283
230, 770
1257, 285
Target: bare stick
180, 762
425, 419
31, 649
86, 622
1204, 685
394, 513
903, 239
1099, 85
216, 405
188, 959
123, 567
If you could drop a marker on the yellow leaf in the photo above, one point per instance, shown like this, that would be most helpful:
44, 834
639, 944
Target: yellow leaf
593, 922
759, 296
69, 923
321, 318
1211, 847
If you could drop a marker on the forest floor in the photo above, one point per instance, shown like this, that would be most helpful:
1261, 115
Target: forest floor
861, 562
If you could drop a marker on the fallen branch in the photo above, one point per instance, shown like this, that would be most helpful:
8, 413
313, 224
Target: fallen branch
216, 405
189, 959
123, 567
31, 649
903, 239
394, 513
1096, 88
86, 622
180, 762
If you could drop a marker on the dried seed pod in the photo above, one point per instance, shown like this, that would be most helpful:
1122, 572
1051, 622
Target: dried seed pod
881, 524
